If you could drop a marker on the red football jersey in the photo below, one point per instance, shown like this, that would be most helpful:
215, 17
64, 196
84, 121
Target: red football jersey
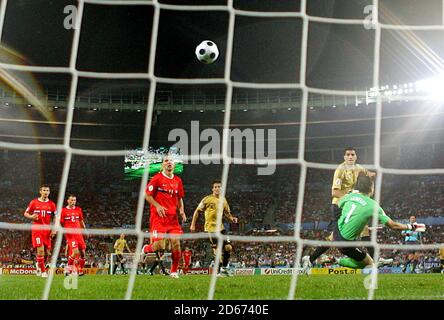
71, 217
44, 209
166, 191
187, 255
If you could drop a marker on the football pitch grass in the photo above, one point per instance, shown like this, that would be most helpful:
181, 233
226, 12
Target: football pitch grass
195, 287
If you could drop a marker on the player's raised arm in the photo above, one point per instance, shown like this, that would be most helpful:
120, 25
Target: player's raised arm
399, 226
395, 225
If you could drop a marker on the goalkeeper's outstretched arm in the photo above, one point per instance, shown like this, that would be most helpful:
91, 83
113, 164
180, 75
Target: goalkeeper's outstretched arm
400, 226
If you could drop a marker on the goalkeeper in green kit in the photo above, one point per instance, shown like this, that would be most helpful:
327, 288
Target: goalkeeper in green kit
357, 211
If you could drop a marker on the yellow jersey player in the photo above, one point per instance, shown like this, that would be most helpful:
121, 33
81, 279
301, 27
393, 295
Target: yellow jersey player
209, 206
344, 179
119, 248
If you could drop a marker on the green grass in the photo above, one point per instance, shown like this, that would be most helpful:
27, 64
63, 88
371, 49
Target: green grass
390, 286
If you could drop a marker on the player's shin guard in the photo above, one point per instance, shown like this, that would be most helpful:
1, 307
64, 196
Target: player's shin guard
41, 263
176, 259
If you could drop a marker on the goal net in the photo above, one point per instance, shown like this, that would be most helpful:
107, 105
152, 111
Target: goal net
135, 88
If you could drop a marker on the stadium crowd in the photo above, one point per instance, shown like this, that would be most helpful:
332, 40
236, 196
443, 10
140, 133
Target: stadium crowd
110, 201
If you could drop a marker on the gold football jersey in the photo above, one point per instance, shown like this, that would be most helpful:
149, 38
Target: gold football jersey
209, 206
119, 246
345, 178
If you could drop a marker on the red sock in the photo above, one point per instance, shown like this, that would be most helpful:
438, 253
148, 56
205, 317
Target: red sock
70, 261
81, 264
148, 248
41, 263
176, 260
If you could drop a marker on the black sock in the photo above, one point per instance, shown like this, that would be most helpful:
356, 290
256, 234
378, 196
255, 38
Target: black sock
370, 249
317, 253
153, 267
114, 269
225, 258
123, 268
162, 266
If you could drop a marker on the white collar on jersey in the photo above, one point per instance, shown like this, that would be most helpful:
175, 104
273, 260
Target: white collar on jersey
167, 176
67, 207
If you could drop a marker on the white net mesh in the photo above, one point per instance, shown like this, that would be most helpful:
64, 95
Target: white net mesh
233, 13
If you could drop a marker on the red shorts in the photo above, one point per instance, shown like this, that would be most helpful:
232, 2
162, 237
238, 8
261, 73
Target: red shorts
169, 224
75, 241
41, 238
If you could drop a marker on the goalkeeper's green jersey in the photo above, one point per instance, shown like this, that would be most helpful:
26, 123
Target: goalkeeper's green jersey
357, 210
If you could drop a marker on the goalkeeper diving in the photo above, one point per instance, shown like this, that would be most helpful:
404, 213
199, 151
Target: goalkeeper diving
357, 210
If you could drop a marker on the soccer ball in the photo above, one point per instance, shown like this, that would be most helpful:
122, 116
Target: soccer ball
207, 52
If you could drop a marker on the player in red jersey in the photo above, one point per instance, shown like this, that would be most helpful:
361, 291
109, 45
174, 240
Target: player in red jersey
186, 254
165, 195
72, 217
40, 211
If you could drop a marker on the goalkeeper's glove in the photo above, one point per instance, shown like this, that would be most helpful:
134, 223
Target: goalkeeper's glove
412, 226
